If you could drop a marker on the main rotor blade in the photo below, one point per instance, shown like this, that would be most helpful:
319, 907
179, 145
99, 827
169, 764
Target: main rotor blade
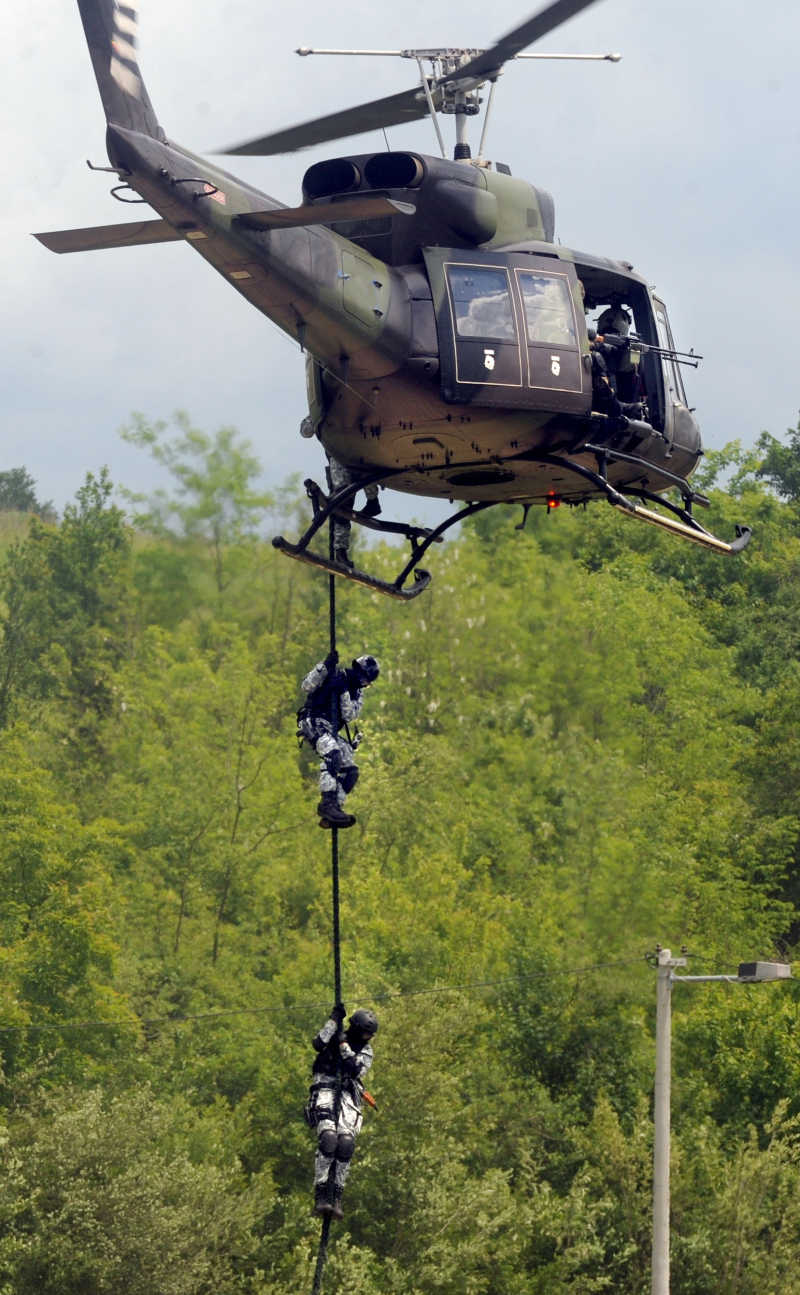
410, 105
394, 110
543, 22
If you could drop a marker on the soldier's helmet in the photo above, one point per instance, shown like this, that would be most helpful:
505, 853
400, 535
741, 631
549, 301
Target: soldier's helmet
364, 1023
367, 667
614, 320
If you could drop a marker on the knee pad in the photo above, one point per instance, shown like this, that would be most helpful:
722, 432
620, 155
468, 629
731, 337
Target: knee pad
345, 1146
348, 779
332, 760
327, 1142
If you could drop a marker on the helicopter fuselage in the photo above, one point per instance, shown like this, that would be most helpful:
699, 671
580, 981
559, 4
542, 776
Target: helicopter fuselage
446, 342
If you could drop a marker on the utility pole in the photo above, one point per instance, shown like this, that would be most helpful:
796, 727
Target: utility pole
748, 973
661, 1119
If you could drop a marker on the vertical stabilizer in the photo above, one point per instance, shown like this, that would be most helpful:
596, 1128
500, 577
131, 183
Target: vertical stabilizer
111, 33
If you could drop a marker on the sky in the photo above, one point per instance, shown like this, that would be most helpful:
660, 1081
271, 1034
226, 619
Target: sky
682, 158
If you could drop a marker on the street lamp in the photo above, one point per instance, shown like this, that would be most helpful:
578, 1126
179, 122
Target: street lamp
748, 973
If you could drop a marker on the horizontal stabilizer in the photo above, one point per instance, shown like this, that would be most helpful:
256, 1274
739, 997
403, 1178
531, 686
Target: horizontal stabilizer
129, 234
363, 207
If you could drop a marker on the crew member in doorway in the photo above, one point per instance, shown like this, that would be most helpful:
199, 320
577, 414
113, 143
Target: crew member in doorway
334, 699
335, 1103
621, 363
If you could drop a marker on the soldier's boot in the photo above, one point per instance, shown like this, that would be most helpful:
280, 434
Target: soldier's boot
336, 1204
322, 1202
372, 508
331, 813
341, 555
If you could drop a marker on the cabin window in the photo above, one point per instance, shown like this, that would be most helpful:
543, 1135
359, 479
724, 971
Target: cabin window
548, 309
674, 379
482, 302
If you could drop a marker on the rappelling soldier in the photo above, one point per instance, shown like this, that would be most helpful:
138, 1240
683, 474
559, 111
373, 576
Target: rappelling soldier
339, 476
338, 473
335, 1102
334, 700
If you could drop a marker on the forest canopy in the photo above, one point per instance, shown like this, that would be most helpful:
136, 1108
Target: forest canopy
583, 743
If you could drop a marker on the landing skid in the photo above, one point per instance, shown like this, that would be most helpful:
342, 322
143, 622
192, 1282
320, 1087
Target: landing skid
682, 523
686, 526
421, 578
337, 504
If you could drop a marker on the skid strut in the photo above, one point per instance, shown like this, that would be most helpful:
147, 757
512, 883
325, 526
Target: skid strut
338, 504
681, 523
684, 524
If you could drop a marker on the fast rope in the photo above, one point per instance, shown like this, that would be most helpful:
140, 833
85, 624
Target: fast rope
337, 948
322, 1255
322, 1252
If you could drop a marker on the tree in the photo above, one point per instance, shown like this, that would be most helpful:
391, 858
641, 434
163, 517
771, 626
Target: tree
130, 1193
202, 774
216, 503
781, 463
57, 947
64, 623
18, 494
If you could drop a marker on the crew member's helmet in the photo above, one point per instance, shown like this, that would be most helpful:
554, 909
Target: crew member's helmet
614, 320
367, 667
364, 1023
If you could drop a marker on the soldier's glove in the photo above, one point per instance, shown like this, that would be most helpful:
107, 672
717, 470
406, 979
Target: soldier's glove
338, 1013
355, 741
348, 1059
331, 661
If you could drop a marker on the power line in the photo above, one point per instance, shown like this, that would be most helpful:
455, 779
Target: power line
283, 1008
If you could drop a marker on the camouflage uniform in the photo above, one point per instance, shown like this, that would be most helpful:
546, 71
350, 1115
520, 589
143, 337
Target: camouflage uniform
335, 1102
341, 476
334, 699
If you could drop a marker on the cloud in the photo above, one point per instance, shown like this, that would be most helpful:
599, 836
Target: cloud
681, 159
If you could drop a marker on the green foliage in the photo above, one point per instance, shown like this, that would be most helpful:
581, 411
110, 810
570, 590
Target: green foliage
102, 1195
780, 464
582, 742
736, 1215
215, 504
58, 951
64, 626
18, 494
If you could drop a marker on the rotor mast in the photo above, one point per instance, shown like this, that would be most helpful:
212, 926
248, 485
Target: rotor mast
457, 75
461, 99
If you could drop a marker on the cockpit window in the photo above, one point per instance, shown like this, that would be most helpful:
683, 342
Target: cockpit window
548, 309
482, 302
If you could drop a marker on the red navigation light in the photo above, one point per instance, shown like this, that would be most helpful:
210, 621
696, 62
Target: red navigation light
553, 500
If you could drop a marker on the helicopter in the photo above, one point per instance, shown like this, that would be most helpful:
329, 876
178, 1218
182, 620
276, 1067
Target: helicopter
449, 352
